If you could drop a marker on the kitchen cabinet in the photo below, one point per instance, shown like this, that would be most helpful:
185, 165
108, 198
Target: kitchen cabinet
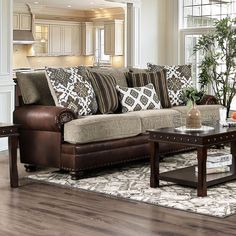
67, 42
22, 21
114, 37
57, 38
77, 40
16, 21
87, 38
41, 45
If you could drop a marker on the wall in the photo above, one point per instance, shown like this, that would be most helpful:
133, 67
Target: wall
159, 32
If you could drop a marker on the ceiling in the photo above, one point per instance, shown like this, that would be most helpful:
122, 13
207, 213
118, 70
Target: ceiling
73, 4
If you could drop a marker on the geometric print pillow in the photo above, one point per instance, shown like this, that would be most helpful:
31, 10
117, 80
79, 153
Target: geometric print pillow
138, 98
71, 90
178, 78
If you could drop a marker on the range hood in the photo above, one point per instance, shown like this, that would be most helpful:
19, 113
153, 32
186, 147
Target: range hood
23, 37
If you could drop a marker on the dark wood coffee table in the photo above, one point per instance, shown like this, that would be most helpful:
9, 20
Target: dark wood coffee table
201, 141
11, 131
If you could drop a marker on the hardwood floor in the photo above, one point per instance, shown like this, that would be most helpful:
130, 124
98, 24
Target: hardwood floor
39, 209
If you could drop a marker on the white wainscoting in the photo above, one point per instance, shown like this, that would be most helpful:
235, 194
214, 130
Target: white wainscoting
6, 82
6, 108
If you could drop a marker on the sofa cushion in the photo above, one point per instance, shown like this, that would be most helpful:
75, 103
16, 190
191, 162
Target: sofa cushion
138, 98
101, 127
105, 89
71, 90
209, 113
178, 78
34, 88
155, 119
158, 79
118, 74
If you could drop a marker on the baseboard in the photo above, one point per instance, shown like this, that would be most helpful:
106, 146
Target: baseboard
3, 144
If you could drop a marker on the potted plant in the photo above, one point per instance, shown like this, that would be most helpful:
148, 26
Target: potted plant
218, 66
193, 118
192, 96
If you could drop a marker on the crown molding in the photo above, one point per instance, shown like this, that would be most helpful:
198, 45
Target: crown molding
21, 8
106, 13
42, 11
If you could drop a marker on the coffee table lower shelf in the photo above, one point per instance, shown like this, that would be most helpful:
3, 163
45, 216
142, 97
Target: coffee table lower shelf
188, 177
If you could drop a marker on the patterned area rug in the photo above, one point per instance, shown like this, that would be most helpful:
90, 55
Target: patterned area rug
133, 183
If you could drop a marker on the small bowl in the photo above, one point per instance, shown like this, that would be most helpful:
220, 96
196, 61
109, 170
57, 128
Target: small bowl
233, 116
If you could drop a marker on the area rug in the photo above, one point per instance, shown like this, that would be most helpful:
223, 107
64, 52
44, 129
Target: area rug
132, 182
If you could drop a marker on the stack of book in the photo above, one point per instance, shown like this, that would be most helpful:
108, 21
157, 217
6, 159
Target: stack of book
217, 163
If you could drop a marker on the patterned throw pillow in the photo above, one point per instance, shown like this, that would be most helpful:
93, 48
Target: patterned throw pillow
158, 79
104, 86
71, 90
178, 78
138, 98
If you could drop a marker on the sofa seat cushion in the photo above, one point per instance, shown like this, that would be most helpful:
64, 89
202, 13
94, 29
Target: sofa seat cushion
101, 127
156, 119
209, 113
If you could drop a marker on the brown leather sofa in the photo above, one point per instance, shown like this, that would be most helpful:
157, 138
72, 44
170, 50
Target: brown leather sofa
42, 141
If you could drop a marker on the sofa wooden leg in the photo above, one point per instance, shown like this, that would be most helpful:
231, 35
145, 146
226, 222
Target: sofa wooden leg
75, 175
30, 168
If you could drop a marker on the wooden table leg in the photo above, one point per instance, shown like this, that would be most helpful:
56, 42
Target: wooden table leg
201, 185
233, 152
154, 164
12, 145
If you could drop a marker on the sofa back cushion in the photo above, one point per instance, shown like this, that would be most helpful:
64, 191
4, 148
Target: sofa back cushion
104, 86
118, 74
71, 90
34, 88
178, 78
158, 79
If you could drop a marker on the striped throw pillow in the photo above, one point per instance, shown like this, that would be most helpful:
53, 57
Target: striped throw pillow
158, 79
105, 90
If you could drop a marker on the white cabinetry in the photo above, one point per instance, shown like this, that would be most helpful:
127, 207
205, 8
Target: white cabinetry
22, 21
114, 37
67, 42
77, 40
87, 38
63, 38
55, 40
41, 45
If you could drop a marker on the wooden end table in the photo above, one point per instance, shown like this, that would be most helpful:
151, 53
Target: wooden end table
11, 131
202, 141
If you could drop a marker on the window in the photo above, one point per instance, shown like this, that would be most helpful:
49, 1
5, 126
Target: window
197, 18
202, 13
99, 54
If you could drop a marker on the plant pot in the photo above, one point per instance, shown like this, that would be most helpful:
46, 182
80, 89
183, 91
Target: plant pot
193, 119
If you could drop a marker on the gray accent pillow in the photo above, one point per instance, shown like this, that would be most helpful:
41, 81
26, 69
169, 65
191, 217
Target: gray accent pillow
71, 90
34, 88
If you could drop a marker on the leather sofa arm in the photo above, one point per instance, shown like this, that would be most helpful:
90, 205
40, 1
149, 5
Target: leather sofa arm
43, 118
208, 100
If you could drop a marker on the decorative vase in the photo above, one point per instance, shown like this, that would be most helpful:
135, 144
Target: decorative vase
193, 119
